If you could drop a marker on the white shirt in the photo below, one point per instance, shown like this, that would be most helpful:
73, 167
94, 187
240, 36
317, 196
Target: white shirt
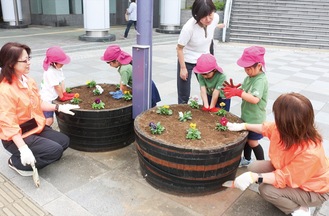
132, 11
52, 77
192, 37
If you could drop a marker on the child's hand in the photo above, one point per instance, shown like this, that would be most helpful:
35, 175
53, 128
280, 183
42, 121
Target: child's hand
225, 84
230, 92
66, 97
205, 109
214, 109
68, 94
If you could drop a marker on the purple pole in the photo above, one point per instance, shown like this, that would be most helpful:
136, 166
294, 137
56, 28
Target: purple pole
142, 58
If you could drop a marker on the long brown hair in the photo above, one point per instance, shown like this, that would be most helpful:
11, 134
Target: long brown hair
9, 55
294, 118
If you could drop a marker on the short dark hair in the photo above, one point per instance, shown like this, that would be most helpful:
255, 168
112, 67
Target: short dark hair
294, 119
202, 8
9, 55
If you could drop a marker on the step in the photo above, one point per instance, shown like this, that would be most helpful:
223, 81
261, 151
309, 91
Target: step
280, 17
276, 20
282, 9
297, 34
283, 4
258, 13
282, 24
262, 11
279, 30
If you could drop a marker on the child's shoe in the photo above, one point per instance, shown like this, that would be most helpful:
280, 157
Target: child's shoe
244, 162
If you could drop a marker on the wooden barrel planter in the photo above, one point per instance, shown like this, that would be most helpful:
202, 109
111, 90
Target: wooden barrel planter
98, 130
181, 168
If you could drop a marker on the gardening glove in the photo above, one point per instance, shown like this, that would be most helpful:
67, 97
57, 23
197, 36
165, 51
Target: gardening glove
117, 94
205, 109
68, 94
66, 97
230, 92
27, 156
66, 108
243, 181
231, 84
236, 126
214, 109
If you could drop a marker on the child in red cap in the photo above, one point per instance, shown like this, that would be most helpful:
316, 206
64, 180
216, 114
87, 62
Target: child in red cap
211, 79
52, 84
117, 58
254, 91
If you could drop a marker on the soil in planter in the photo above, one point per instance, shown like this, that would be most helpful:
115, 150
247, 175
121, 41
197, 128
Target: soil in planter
87, 96
175, 131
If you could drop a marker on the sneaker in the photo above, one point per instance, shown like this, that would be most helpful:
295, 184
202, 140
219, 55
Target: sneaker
302, 212
244, 162
21, 172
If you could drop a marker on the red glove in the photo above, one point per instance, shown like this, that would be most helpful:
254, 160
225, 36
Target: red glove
68, 94
230, 92
214, 109
66, 98
225, 84
205, 109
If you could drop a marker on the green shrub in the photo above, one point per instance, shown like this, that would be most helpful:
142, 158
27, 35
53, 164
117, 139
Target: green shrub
219, 4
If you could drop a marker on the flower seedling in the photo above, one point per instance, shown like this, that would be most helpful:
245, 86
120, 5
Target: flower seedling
76, 99
184, 116
222, 111
68, 90
117, 86
91, 84
98, 90
193, 133
222, 124
98, 104
156, 128
164, 110
127, 96
193, 102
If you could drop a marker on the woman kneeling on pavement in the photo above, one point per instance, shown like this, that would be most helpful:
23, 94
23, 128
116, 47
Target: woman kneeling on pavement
297, 175
22, 124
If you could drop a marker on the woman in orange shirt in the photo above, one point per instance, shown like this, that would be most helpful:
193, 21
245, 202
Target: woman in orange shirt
297, 175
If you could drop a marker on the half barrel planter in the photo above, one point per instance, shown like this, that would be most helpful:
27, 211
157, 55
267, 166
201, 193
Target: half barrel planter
186, 171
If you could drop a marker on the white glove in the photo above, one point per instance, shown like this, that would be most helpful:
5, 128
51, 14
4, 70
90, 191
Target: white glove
27, 156
65, 108
236, 126
243, 181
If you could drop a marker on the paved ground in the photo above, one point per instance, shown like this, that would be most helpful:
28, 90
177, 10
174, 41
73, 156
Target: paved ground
110, 183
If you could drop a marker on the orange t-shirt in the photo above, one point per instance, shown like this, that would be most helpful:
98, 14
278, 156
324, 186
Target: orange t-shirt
305, 167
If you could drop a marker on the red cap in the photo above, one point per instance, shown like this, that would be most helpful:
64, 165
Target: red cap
206, 63
251, 56
114, 52
55, 54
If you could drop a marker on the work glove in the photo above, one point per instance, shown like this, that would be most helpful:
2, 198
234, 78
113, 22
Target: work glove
243, 181
225, 84
27, 157
117, 94
214, 109
236, 126
68, 94
230, 92
66, 97
205, 109
66, 108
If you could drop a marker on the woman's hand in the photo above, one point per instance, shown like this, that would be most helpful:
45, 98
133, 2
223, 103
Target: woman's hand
183, 74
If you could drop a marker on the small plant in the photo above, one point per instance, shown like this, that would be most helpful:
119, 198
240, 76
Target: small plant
222, 111
76, 99
91, 84
98, 90
183, 117
193, 102
193, 133
98, 104
117, 86
222, 124
127, 96
164, 110
68, 90
156, 128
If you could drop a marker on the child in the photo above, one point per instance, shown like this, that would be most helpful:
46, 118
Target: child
296, 176
253, 92
117, 58
52, 84
211, 79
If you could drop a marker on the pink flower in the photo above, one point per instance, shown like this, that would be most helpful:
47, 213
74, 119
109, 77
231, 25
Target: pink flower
223, 121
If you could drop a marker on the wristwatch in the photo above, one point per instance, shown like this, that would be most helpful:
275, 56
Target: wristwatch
260, 178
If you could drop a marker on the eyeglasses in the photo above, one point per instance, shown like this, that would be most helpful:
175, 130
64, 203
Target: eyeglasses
26, 60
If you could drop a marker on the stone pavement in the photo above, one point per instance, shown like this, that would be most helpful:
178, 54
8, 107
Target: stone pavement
110, 183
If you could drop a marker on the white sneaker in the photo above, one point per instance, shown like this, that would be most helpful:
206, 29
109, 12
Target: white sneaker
302, 212
244, 162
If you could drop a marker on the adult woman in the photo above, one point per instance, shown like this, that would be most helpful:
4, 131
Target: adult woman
195, 39
297, 175
23, 131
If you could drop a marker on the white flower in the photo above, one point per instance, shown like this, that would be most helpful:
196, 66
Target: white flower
99, 88
180, 114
